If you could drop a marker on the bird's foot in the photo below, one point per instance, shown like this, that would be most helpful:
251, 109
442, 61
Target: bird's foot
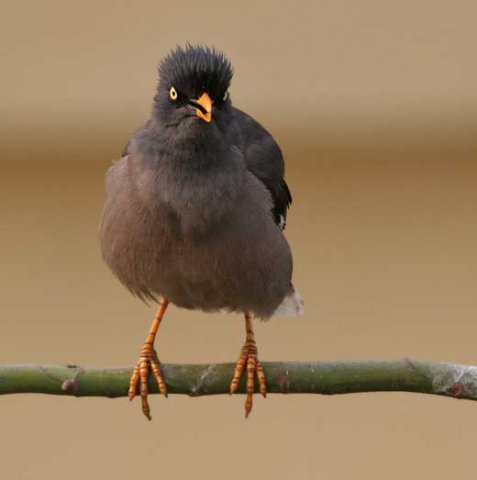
148, 360
249, 359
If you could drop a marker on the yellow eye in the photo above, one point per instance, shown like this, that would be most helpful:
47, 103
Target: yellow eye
173, 93
226, 95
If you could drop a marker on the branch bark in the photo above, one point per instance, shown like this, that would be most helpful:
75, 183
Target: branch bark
328, 378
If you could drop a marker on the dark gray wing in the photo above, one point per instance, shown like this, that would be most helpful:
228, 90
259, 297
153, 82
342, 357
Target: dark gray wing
264, 159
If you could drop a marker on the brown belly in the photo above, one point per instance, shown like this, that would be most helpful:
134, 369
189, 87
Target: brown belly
233, 267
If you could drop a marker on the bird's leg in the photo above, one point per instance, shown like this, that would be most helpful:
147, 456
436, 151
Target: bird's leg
148, 361
249, 359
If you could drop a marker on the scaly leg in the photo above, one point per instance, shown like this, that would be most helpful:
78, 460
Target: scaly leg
148, 361
249, 359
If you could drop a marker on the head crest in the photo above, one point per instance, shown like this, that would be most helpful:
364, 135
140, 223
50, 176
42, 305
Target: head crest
195, 69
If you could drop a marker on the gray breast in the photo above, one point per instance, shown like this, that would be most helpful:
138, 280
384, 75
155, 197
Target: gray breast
205, 242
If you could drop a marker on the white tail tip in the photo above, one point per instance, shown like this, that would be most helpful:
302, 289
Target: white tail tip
292, 305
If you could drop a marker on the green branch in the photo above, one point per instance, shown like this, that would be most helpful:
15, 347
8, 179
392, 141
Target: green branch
328, 378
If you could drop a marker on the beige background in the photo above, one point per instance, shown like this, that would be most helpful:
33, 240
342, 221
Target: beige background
374, 104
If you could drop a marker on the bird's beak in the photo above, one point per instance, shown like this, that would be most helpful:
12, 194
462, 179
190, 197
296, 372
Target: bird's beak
205, 113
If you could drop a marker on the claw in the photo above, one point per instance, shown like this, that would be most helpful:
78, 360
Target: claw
148, 361
248, 359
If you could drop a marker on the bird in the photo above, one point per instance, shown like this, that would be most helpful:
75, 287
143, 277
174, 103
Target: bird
195, 211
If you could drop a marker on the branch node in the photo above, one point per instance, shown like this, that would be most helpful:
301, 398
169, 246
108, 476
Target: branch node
72, 384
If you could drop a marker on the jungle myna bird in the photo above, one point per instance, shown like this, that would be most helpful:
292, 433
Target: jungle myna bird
195, 211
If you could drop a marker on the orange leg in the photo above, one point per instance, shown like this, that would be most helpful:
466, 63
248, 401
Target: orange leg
249, 359
148, 361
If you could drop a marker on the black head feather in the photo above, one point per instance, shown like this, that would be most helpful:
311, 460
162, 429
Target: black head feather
194, 70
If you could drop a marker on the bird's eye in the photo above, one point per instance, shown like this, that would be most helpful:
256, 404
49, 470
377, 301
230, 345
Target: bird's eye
173, 93
226, 95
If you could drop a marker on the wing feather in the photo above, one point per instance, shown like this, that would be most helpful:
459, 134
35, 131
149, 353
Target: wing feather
264, 159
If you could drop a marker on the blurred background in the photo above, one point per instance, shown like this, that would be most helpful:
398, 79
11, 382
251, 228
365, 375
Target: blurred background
375, 107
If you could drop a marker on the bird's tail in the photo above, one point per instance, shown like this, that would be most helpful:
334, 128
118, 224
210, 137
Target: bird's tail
292, 305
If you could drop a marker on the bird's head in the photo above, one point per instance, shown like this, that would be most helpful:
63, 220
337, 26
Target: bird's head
193, 88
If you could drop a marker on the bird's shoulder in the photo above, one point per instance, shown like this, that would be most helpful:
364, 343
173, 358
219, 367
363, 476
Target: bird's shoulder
263, 158
127, 170
143, 131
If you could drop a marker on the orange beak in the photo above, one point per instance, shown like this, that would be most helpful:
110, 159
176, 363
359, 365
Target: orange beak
206, 103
